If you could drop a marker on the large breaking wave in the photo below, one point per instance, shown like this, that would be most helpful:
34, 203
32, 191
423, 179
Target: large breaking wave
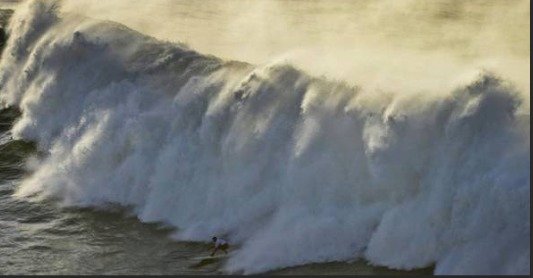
295, 169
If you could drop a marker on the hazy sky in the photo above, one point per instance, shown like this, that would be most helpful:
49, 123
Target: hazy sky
244, 28
349, 39
343, 38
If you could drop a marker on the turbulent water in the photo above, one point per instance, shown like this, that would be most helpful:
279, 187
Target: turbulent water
292, 168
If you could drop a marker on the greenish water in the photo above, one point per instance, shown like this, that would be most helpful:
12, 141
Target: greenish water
46, 238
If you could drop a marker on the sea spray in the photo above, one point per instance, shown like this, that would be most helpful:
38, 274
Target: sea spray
295, 169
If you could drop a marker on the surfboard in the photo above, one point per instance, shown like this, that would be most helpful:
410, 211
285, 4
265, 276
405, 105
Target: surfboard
206, 260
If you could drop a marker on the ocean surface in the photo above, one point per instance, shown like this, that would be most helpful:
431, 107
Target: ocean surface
123, 151
45, 238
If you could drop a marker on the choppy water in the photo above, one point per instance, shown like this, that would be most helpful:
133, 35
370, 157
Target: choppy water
46, 238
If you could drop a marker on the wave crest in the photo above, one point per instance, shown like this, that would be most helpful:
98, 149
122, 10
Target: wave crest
293, 168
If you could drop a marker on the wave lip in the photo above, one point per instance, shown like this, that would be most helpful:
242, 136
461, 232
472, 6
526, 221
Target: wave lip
295, 169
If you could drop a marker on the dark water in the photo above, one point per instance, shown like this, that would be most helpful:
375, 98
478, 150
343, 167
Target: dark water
45, 238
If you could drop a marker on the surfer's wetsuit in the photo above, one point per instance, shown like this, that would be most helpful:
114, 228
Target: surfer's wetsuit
220, 244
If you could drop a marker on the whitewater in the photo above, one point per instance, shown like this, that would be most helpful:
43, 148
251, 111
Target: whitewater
291, 167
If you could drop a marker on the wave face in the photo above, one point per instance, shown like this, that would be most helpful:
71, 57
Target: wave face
294, 169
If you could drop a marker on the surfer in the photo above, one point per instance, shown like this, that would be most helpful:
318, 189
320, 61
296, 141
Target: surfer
219, 244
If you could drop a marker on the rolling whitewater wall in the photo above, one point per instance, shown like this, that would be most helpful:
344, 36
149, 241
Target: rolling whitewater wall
294, 168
